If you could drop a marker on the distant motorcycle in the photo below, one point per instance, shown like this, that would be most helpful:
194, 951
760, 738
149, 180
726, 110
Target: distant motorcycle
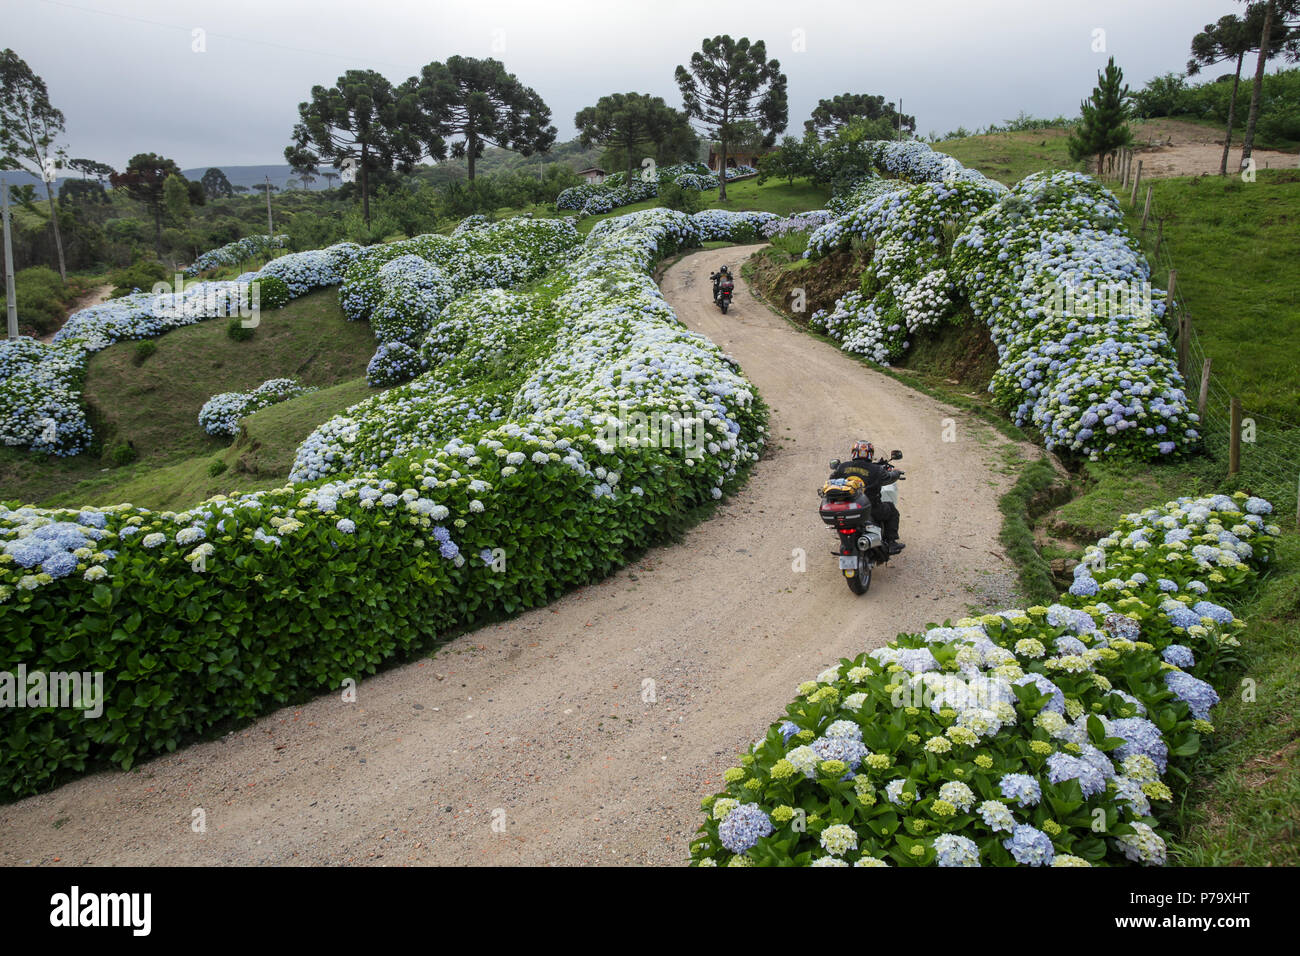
846, 509
723, 286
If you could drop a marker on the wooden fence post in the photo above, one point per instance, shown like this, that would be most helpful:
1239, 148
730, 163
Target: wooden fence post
1137, 178
1203, 399
1169, 292
1234, 438
1146, 209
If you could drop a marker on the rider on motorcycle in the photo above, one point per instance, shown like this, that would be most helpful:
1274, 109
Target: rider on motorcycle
875, 474
717, 278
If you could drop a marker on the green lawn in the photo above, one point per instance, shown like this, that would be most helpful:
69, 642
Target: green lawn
1236, 247
155, 405
1010, 157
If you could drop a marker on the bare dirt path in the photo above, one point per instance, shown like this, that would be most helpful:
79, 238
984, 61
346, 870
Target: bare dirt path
539, 724
94, 296
1168, 147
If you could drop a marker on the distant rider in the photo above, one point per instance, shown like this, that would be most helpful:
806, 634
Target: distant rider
875, 474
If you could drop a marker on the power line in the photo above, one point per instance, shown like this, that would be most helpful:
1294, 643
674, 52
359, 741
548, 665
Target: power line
224, 36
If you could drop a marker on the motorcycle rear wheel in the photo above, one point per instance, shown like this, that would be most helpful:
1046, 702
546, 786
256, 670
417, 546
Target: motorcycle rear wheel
723, 306
861, 581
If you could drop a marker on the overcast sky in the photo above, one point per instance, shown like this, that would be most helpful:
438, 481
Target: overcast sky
128, 78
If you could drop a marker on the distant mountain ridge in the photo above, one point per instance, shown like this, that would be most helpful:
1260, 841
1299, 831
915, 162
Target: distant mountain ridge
494, 159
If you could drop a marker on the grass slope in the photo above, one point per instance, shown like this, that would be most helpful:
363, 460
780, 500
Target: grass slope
1010, 157
155, 405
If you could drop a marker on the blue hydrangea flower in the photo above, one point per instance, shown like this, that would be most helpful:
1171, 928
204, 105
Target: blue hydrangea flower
743, 827
1021, 788
1140, 736
1214, 611
1196, 693
1029, 846
840, 748
1062, 767
1180, 655
953, 850
59, 565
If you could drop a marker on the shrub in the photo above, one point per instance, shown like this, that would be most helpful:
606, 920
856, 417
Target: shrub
241, 250
122, 453
138, 277
272, 292
392, 364
680, 198
247, 602
43, 299
238, 331
1082, 349
216, 467
143, 350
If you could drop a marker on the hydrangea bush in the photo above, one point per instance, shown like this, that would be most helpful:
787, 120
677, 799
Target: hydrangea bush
596, 198
1083, 355
221, 414
723, 224
233, 253
247, 602
1039, 737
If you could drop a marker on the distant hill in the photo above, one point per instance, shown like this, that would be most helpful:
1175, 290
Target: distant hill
493, 160
250, 176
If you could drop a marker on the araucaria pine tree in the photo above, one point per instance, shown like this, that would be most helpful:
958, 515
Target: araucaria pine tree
1103, 127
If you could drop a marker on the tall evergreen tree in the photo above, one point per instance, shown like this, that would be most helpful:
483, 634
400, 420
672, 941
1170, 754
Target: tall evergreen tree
478, 101
29, 128
365, 123
216, 185
1280, 21
832, 114
626, 122
730, 82
144, 179
1103, 128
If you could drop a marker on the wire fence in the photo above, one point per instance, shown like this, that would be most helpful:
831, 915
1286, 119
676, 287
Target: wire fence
1267, 449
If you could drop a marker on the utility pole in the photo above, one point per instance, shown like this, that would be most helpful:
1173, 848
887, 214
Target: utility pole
270, 229
11, 301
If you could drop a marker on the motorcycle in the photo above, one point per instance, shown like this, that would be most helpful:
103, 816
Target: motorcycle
846, 509
723, 286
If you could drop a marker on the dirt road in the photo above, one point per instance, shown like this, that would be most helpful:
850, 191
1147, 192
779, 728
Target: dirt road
1170, 147
533, 741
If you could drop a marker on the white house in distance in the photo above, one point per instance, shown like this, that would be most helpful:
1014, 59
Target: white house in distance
594, 175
